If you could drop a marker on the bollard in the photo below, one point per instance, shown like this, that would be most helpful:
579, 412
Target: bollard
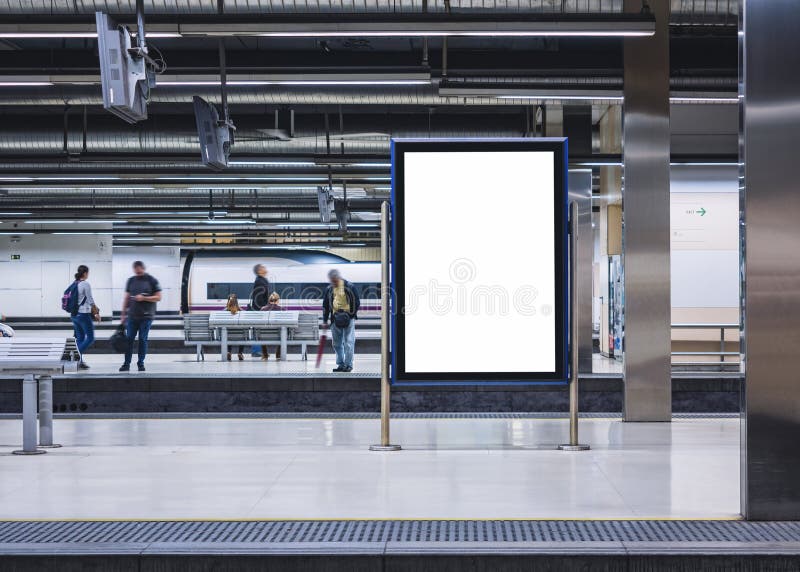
29, 418
46, 412
386, 390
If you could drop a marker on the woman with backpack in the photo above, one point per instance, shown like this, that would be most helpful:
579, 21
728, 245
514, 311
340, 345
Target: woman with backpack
84, 313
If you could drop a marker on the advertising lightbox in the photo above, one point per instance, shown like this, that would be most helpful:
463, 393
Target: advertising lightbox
479, 261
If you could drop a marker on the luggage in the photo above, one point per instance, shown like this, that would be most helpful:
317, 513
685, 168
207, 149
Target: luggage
119, 340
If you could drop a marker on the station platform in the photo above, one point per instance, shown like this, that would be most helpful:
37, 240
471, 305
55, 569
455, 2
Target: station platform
467, 492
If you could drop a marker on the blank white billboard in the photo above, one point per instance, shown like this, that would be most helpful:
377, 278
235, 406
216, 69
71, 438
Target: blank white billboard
480, 263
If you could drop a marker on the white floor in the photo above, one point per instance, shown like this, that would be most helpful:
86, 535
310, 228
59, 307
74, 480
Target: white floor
321, 469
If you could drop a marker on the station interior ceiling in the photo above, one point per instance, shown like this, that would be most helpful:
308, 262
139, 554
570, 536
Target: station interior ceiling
311, 111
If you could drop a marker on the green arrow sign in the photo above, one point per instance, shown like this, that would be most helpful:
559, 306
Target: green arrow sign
702, 211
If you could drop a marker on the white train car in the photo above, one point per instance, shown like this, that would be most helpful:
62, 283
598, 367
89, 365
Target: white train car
299, 277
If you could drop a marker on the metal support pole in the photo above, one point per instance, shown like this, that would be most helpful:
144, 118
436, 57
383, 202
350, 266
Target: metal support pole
386, 390
573, 333
141, 41
29, 417
46, 413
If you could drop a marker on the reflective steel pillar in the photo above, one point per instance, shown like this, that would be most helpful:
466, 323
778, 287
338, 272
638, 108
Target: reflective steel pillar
646, 238
769, 128
580, 192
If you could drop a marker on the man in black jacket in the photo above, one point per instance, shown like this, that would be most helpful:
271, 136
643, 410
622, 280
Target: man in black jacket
259, 298
260, 294
340, 305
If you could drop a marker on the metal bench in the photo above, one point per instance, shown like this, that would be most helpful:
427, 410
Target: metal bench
40, 358
248, 326
304, 334
197, 332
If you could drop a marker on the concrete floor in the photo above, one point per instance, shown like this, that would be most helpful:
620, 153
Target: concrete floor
186, 365
321, 469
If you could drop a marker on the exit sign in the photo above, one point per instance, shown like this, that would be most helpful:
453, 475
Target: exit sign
16, 257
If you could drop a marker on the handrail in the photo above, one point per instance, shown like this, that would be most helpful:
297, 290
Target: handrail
707, 326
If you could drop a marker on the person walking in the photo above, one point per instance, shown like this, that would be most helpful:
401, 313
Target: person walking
340, 305
142, 292
86, 314
274, 303
259, 298
233, 307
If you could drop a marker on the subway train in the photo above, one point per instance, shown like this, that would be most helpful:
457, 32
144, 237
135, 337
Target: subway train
299, 277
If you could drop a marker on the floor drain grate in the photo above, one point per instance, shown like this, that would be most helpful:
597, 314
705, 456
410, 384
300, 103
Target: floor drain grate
398, 531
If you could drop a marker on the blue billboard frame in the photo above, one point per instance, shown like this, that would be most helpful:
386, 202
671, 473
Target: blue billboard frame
559, 145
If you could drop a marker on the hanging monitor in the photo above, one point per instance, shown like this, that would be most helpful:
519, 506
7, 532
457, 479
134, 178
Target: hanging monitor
479, 261
215, 135
124, 77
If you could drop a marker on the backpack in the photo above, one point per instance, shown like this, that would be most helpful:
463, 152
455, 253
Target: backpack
69, 301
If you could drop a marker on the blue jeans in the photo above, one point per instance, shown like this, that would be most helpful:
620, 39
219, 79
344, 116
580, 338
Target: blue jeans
83, 327
344, 343
142, 328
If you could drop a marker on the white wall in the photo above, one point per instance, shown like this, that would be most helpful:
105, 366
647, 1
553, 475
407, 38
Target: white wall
704, 220
32, 286
163, 263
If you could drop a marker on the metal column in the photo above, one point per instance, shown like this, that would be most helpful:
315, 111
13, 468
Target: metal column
770, 121
646, 232
386, 298
29, 417
46, 412
580, 192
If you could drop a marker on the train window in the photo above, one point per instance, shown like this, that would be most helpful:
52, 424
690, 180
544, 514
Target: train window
217, 291
286, 290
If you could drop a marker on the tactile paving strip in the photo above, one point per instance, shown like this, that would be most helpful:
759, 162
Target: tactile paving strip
398, 531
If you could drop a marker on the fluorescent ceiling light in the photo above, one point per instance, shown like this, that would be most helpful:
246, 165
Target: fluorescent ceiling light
62, 178
700, 99
259, 178
307, 225
454, 32
73, 221
43, 35
201, 221
271, 164
87, 34
25, 83
14, 233
15, 214
170, 213
296, 247
543, 96
299, 82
